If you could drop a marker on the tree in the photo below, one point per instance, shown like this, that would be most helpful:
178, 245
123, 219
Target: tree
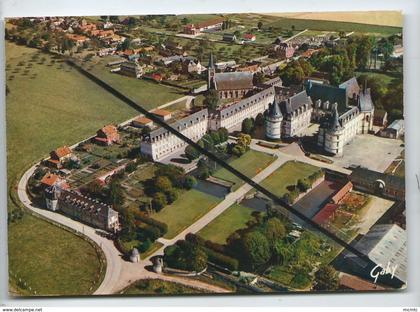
255, 250
247, 126
158, 201
326, 278
244, 139
211, 99
259, 120
116, 194
260, 25
274, 230
223, 134
281, 252
191, 152
185, 255
363, 49
143, 247
189, 182
303, 185
171, 195
162, 184
215, 137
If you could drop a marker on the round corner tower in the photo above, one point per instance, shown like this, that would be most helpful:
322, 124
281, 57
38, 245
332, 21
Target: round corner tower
273, 121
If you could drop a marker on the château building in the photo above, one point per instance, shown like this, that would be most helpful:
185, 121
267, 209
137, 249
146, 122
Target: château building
81, 208
288, 117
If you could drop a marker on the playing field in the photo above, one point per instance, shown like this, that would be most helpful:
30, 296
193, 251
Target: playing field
48, 105
232, 219
187, 209
250, 164
288, 174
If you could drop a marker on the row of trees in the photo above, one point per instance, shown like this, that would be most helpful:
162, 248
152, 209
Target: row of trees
249, 125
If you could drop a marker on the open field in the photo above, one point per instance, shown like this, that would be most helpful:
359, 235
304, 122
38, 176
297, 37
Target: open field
301, 24
288, 174
158, 287
188, 208
148, 94
384, 18
35, 126
250, 164
232, 219
52, 261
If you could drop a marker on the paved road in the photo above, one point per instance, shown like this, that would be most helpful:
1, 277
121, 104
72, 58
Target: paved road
113, 257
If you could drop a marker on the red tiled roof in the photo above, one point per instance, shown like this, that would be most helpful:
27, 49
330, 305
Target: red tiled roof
342, 192
249, 36
50, 179
324, 213
143, 120
109, 130
161, 112
62, 151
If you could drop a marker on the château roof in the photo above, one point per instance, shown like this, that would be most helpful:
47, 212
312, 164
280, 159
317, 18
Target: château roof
295, 102
234, 81
328, 93
351, 86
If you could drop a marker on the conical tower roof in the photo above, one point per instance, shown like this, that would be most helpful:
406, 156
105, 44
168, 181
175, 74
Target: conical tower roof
275, 111
335, 123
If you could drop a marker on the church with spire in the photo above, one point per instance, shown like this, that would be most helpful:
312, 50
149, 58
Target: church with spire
229, 85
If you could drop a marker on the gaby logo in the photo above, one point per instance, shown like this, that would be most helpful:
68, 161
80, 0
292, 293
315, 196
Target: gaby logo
379, 270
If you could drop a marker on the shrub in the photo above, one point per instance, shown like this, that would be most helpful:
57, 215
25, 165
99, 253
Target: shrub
158, 201
189, 182
163, 227
143, 247
171, 195
221, 259
303, 185
152, 232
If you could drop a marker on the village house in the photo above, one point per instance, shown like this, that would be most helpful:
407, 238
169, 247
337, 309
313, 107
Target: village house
162, 114
197, 28
51, 179
229, 37
131, 69
378, 183
394, 131
141, 122
59, 156
191, 66
107, 135
249, 37
77, 39
283, 51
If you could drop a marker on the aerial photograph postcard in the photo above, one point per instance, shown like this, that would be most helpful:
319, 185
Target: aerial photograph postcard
197, 154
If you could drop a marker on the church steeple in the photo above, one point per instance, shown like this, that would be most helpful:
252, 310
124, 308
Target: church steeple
211, 71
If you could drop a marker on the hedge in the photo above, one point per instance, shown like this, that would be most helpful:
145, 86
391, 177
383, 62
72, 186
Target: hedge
221, 259
163, 227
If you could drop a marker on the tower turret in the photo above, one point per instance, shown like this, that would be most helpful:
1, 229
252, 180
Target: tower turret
273, 120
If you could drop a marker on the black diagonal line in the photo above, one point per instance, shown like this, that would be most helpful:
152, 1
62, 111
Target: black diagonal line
222, 163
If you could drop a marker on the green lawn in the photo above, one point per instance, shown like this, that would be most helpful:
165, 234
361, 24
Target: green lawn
250, 164
158, 287
52, 261
188, 208
288, 174
46, 107
146, 93
232, 219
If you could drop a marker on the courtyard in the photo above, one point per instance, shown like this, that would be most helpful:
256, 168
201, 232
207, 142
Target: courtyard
369, 151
